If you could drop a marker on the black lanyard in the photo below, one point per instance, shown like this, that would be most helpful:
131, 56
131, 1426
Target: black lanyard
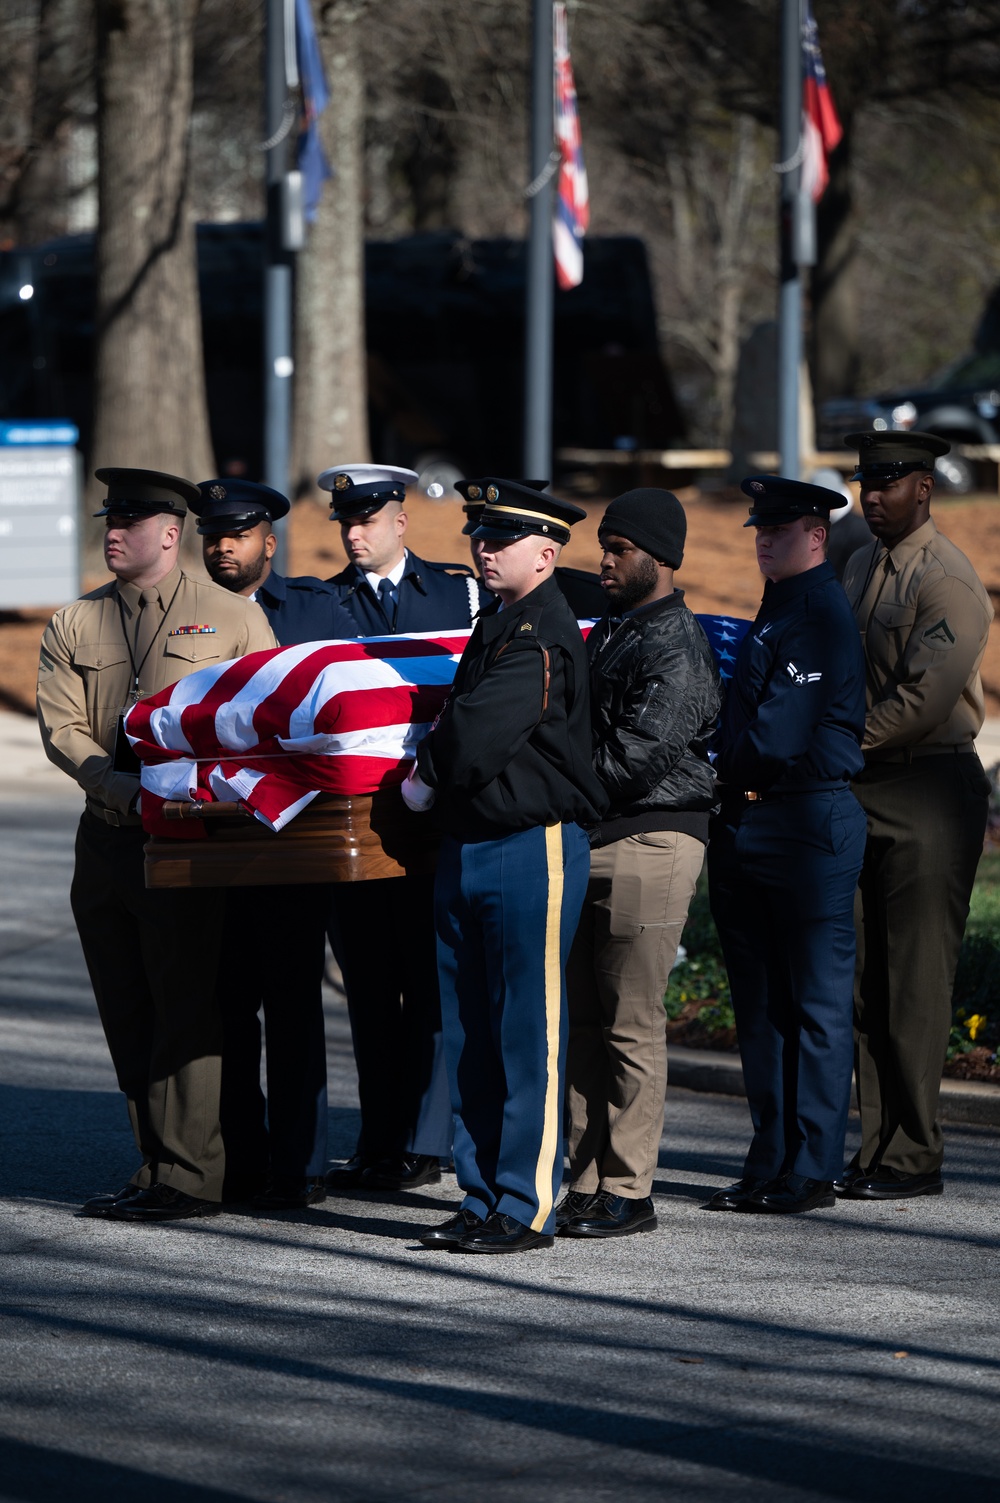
138, 667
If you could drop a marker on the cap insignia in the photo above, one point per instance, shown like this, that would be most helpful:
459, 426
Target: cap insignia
341, 482
218, 492
475, 494
492, 494
757, 487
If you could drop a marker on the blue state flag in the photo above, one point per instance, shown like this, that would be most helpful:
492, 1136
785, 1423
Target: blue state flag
312, 162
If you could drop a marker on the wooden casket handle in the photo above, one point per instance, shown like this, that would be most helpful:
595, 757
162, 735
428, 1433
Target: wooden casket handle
334, 839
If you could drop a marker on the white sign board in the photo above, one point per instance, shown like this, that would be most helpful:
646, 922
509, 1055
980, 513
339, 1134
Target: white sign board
39, 507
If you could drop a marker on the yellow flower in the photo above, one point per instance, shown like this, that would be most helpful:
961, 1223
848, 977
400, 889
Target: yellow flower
975, 1023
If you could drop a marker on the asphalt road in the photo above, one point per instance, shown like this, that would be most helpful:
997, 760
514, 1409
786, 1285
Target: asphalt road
324, 1355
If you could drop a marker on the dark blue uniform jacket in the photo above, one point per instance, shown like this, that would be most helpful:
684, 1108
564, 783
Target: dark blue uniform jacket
430, 598
303, 610
795, 711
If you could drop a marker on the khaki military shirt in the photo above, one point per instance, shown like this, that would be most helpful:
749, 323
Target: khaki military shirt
924, 618
85, 675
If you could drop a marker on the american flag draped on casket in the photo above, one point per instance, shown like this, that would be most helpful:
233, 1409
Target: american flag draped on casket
273, 729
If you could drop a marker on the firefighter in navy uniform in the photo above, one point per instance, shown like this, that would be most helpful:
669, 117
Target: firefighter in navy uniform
785, 852
392, 989
275, 1152
508, 768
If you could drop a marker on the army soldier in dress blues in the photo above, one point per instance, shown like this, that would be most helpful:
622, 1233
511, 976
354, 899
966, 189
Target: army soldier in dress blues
151, 955
279, 1150
508, 766
392, 989
785, 852
924, 618
582, 587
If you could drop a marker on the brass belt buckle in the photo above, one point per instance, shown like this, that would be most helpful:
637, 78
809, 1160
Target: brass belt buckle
750, 796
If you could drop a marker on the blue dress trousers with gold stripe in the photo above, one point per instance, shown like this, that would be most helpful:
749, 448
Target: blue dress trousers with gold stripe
510, 763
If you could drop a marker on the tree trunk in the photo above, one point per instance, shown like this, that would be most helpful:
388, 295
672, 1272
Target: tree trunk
331, 401
150, 406
835, 341
63, 58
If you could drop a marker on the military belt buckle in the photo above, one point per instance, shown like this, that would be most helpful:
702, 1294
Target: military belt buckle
752, 797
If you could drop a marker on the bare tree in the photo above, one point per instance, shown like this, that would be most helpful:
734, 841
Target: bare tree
150, 407
331, 414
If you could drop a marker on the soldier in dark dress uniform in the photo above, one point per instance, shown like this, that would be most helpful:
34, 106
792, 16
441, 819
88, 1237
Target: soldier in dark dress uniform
392, 988
785, 852
278, 1148
509, 768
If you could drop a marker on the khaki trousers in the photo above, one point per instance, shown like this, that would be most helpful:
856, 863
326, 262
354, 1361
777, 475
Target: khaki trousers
152, 958
616, 1069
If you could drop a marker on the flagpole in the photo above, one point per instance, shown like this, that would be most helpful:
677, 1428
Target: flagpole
540, 273
790, 295
278, 261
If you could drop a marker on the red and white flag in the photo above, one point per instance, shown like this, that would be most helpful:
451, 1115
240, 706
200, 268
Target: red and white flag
821, 130
572, 214
275, 728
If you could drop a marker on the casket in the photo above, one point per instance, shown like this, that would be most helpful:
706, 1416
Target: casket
334, 839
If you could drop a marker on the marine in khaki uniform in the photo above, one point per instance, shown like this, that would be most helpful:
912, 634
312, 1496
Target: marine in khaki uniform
924, 617
151, 955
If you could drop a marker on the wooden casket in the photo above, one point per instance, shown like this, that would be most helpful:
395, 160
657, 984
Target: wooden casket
334, 839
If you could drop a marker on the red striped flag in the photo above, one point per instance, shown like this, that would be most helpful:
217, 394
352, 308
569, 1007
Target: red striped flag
821, 130
275, 728
572, 214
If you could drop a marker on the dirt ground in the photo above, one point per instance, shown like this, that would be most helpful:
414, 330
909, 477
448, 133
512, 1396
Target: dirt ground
719, 572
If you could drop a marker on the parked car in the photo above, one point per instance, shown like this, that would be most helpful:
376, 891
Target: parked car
962, 404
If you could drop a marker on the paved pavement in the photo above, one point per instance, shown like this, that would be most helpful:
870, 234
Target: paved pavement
323, 1355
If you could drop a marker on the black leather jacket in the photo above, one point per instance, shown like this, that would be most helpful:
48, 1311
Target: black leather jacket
655, 697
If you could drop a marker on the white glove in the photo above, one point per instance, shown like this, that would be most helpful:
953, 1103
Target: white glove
416, 794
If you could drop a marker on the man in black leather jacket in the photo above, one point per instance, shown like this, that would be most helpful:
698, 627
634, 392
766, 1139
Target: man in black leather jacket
655, 696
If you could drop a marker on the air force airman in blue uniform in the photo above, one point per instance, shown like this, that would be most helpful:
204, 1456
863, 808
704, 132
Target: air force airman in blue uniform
508, 767
277, 956
391, 983
785, 853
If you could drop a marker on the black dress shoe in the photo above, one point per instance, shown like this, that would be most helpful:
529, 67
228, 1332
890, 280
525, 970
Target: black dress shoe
347, 1176
100, 1205
451, 1232
407, 1172
793, 1194
500, 1234
890, 1184
613, 1216
161, 1203
735, 1197
290, 1195
851, 1176
573, 1203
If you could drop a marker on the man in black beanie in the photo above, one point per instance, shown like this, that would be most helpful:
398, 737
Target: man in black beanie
655, 696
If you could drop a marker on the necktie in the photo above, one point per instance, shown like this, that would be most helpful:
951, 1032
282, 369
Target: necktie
388, 597
150, 621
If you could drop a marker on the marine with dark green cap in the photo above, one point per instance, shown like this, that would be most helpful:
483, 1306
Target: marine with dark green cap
924, 618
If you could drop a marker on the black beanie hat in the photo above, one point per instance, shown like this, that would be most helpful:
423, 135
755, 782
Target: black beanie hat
652, 519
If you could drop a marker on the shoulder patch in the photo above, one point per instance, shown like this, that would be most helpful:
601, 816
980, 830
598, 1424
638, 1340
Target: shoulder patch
940, 635
527, 626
